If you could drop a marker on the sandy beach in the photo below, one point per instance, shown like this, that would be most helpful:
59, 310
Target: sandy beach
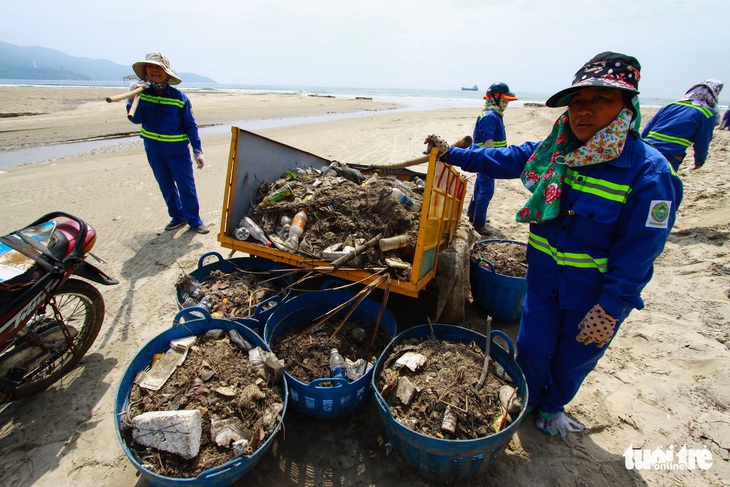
663, 382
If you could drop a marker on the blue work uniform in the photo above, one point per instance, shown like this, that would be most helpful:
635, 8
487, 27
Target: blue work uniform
615, 219
168, 128
725, 120
489, 125
680, 125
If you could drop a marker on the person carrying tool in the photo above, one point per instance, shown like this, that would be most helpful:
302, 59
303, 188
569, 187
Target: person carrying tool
686, 122
168, 126
603, 203
488, 132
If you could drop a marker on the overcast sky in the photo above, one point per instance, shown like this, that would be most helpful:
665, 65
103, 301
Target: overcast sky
534, 45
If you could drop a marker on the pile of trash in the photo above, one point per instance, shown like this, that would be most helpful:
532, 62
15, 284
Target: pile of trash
442, 389
308, 352
508, 258
229, 295
338, 213
203, 402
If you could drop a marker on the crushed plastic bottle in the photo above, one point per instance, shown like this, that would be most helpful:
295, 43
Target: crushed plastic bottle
284, 225
205, 303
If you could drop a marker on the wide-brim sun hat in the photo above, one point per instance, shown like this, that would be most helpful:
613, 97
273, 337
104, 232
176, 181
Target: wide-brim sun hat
605, 70
158, 59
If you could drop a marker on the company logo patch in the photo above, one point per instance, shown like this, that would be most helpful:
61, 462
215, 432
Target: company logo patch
658, 216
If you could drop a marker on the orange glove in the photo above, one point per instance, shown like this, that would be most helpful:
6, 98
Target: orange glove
596, 327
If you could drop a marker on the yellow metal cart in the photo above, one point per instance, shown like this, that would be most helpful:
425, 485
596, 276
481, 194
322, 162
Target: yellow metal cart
254, 159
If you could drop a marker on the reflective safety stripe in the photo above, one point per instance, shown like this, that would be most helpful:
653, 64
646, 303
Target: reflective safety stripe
668, 138
496, 143
597, 187
163, 137
705, 111
572, 259
162, 100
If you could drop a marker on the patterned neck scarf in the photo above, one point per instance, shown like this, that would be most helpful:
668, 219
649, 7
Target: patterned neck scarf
493, 104
544, 172
158, 86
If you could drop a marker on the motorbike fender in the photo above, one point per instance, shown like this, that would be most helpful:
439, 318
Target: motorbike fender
93, 273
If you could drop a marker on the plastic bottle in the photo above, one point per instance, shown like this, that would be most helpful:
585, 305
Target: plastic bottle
241, 233
337, 364
205, 303
296, 229
278, 195
419, 182
256, 231
192, 289
392, 243
402, 198
284, 225
448, 425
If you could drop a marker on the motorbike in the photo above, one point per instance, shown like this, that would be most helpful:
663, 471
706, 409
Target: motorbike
49, 318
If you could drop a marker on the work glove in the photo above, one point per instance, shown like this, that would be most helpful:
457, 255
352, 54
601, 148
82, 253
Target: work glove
139, 84
439, 143
557, 423
199, 160
596, 327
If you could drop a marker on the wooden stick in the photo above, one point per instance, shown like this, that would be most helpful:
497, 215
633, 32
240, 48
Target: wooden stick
380, 314
462, 143
485, 367
340, 261
133, 108
126, 95
365, 293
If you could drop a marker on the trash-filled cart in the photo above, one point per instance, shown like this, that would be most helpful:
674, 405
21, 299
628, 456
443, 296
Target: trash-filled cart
294, 207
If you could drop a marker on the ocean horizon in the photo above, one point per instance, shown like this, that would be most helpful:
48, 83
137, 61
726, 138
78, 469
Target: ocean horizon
417, 98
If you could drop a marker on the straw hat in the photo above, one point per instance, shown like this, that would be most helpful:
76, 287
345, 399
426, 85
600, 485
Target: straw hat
158, 59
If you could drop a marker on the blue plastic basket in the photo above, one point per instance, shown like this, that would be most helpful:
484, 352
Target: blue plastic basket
265, 308
443, 460
499, 295
221, 475
344, 397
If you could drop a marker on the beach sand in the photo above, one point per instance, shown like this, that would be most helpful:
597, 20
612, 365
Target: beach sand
662, 383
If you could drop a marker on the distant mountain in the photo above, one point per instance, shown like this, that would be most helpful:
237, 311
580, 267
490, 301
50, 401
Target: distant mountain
42, 63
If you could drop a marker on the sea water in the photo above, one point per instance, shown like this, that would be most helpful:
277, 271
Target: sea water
410, 99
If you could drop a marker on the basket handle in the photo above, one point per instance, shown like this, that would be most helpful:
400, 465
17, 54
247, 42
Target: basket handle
333, 283
507, 340
220, 469
270, 303
206, 255
339, 381
193, 313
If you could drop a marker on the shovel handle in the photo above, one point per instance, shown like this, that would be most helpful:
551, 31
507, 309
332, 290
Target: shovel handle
133, 108
462, 143
126, 95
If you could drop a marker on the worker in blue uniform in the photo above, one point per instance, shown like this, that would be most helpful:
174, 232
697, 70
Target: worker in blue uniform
687, 122
725, 125
488, 132
168, 128
603, 203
